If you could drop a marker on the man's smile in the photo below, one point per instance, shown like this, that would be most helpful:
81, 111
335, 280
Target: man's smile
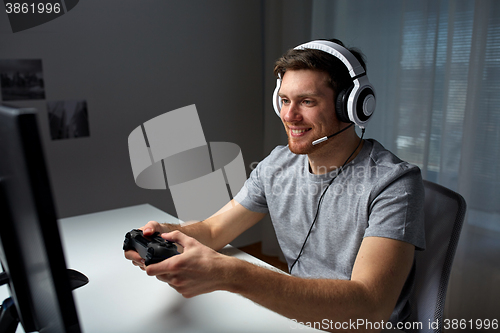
297, 132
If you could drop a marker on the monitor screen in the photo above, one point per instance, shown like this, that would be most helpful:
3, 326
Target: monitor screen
31, 252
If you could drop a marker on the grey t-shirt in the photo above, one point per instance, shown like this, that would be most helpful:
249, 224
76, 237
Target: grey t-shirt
376, 194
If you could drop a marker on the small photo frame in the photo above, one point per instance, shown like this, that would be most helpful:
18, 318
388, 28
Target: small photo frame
21, 79
68, 119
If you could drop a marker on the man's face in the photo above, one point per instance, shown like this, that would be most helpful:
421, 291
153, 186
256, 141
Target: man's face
308, 109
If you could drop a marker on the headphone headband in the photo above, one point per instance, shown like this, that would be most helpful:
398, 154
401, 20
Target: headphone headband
347, 58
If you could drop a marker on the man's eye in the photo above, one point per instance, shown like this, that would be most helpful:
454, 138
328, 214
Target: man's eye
285, 101
307, 102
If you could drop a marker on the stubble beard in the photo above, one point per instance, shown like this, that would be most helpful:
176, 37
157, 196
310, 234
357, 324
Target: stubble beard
300, 148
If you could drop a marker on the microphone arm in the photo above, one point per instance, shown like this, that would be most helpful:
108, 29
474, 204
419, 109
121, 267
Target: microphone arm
315, 142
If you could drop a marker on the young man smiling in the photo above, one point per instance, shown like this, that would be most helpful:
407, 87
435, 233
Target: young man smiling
350, 254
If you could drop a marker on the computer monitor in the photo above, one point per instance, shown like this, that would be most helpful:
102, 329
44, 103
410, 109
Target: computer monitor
31, 252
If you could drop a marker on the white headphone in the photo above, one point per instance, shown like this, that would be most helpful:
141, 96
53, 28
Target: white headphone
354, 104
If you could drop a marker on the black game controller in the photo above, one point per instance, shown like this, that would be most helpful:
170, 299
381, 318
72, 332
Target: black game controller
151, 248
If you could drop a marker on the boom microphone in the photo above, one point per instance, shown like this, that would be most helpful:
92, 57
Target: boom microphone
315, 142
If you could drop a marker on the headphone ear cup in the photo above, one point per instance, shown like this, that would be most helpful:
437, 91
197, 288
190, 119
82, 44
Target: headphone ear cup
365, 105
341, 105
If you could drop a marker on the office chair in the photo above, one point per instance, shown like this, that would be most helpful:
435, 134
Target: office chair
444, 215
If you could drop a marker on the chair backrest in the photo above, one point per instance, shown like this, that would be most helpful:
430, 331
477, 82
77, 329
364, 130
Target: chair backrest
444, 215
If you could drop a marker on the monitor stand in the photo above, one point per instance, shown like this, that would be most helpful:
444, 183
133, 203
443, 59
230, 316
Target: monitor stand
9, 319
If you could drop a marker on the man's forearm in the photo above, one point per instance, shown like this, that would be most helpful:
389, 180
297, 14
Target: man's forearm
198, 230
305, 300
378, 275
221, 228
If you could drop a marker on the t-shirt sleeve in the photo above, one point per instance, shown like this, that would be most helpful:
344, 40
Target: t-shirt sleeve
396, 209
252, 195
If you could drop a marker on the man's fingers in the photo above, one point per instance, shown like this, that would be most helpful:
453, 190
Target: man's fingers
158, 269
178, 238
135, 258
141, 265
150, 228
132, 255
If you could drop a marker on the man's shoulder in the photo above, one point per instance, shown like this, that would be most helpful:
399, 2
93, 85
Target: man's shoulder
383, 157
385, 166
380, 155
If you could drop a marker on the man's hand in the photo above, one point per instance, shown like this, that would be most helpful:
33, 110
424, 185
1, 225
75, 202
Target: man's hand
149, 229
198, 270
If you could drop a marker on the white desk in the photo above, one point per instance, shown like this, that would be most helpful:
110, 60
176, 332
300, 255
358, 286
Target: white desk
121, 298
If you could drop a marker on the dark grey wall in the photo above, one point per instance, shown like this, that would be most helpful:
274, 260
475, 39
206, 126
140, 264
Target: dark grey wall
134, 60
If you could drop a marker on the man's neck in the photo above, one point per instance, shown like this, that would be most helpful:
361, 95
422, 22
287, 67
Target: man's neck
335, 154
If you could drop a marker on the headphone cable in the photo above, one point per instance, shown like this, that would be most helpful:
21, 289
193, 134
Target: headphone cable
321, 198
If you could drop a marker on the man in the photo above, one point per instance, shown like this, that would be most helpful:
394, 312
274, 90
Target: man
347, 212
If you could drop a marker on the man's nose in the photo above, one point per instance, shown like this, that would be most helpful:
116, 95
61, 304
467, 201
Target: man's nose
291, 113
